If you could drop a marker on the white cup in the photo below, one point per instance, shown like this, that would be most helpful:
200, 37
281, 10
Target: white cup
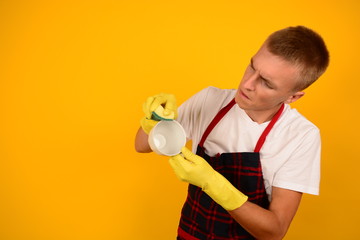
167, 138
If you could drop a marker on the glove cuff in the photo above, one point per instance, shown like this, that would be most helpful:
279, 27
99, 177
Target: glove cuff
224, 193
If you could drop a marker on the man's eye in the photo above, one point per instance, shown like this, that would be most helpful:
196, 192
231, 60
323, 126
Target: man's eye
267, 84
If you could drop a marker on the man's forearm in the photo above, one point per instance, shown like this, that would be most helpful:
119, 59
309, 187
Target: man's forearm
269, 224
141, 142
259, 222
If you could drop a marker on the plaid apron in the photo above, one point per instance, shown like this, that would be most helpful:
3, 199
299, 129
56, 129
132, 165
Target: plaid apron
201, 217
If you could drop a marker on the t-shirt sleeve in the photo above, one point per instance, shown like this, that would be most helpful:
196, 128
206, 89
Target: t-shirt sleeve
301, 172
189, 112
196, 113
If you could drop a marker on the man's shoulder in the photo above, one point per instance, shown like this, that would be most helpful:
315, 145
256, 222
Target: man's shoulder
218, 91
209, 99
295, 120
216, 94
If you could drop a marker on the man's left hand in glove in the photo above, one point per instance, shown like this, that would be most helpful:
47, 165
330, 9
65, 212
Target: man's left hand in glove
195, 170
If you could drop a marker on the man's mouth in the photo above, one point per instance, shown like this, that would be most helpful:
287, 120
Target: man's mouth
243, 95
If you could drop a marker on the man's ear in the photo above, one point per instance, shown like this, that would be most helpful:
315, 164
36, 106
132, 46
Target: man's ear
294, 97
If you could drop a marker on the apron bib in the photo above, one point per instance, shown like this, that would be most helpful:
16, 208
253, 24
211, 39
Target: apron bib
201, 217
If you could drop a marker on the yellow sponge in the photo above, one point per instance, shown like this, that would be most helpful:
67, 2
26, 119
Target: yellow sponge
158, 115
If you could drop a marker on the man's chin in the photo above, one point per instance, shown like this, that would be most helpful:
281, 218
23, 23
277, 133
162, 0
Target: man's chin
241, 103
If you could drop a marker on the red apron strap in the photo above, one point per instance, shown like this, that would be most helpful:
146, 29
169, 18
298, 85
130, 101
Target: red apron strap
268, 129
217, 118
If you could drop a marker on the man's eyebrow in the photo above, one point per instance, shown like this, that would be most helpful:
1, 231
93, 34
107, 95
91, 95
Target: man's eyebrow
261, 76
252, 63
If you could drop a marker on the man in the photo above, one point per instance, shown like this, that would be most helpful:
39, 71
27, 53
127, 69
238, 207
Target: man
255, 156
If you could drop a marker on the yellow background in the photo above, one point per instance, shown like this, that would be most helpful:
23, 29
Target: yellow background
73, 77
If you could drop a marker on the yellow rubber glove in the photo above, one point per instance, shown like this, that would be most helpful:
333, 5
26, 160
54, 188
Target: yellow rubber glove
195, 170
166, 103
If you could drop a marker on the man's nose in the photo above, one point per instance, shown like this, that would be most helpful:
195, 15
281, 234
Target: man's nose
250, 82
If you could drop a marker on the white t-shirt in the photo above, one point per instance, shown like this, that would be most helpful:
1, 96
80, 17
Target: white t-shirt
290, 156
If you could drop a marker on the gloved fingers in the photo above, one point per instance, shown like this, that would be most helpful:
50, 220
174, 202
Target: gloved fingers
177, 167
189, 155
166, 100
147, 106
181, 165
170, 105
159, 99
181, 161
152, 103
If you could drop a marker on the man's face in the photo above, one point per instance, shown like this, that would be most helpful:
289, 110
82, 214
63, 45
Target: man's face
268, 82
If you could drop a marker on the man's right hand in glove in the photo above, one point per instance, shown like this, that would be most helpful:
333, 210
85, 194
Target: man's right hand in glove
164, 106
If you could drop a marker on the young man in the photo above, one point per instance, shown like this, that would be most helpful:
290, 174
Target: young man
255, 156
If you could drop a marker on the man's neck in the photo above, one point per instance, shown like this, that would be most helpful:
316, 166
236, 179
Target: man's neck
262, 116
